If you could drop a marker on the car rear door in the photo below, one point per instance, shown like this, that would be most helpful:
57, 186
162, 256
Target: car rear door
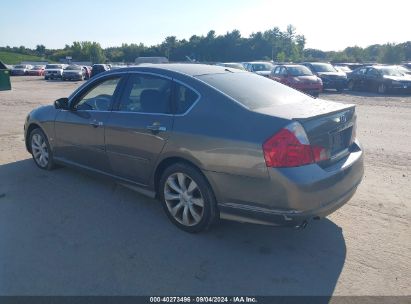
139, 126
372, 79
80, 131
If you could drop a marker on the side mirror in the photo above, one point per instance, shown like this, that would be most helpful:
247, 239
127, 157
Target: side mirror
62, 103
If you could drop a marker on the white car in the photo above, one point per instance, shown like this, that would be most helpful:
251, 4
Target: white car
54, 71
262, 68
21, 69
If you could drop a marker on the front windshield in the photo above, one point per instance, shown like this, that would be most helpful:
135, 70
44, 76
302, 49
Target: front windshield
54, 66
390, 71
323, 67
299, 71
262, 67
73, 67
37, 68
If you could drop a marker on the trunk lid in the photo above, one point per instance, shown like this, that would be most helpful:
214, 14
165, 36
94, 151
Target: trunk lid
330, 125
334, 131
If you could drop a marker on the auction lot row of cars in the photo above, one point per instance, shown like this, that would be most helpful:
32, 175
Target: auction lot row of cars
314, 77
309, 77
59, 71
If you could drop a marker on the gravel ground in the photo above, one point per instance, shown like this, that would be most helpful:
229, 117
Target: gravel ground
65, 232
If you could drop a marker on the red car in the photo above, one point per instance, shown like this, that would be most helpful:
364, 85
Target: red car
298, 77
37, 70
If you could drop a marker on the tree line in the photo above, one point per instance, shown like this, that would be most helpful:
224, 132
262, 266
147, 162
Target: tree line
273, 44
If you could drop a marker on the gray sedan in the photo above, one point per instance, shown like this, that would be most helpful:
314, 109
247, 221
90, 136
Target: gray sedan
209, 142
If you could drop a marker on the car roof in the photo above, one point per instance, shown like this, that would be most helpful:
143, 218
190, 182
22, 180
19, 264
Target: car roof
258, 62
190, 69
290, 65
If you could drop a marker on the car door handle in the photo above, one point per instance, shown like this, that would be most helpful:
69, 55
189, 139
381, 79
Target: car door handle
96, 123
156, 128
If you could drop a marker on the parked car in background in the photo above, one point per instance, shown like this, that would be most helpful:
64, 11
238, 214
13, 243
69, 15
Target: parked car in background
343, 68
282, 157
404, 69
99, 68
37, 70
259, 67
379, 78
298, 77
21, 69
233, 65
53, 71
331, 78
73, 72
87, 69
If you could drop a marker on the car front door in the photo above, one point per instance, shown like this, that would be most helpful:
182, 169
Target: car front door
139, 126
372, 79
80, 131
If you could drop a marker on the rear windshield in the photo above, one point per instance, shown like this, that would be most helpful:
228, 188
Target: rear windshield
299, 71
253, 91
54, 66
262, 67
323, 67
20, 67
37, 68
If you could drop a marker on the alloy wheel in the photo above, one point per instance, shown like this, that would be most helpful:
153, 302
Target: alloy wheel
40, 150
184, 199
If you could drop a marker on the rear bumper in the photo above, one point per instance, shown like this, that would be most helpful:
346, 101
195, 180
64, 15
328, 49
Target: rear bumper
290, 196
338, 84
72, 77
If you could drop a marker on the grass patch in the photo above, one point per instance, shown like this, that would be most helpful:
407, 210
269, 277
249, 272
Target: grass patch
16, 58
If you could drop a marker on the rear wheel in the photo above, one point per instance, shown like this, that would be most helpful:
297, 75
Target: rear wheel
40, 150
187, 198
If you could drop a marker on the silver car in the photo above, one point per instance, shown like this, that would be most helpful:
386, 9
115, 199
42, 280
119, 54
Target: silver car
207, 141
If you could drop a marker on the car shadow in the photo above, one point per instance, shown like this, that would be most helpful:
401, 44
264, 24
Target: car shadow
67, 233
368, 94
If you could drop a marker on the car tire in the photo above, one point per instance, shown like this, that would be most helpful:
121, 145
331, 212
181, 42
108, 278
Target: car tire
381, 88
40, 150
187, 198
351, 85
46, 78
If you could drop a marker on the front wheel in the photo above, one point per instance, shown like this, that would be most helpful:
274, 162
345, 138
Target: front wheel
40, 150
187, 198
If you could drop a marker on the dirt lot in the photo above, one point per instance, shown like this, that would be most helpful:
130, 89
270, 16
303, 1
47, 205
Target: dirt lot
64, 232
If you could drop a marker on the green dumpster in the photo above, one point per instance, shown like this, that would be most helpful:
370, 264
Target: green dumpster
4, 77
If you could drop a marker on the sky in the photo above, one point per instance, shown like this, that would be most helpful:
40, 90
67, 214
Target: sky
326, 24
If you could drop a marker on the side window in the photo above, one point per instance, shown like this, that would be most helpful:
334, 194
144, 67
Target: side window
184, 98
100, 97
277, 71
373, 73
283, 71
146, 94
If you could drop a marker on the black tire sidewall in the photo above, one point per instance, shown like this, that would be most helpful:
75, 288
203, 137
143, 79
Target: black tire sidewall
210, 211
50, 164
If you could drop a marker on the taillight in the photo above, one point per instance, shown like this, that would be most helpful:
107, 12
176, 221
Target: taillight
290, 148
